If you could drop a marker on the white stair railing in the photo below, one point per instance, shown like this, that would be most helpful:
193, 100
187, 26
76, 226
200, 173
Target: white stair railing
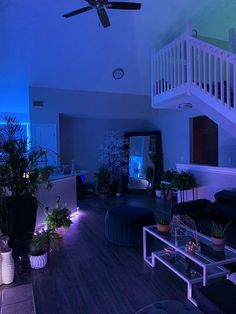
213, 72
192, 66
169, 66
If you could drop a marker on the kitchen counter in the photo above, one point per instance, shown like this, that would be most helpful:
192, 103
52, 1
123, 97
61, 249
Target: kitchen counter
57, 177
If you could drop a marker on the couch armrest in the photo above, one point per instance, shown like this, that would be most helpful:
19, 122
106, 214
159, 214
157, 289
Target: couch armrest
217, 298
198, 209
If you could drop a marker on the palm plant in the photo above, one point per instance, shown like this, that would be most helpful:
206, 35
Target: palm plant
20, 178
19, 170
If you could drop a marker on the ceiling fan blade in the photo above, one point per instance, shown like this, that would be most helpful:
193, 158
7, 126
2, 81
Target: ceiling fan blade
123, 5
78, 11
103, 17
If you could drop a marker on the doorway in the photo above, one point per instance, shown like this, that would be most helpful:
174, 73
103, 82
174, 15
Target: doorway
203, 141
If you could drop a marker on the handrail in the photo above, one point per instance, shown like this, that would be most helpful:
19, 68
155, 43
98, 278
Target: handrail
231, 56
190, 64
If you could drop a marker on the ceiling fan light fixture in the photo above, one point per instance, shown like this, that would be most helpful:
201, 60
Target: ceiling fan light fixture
118, 73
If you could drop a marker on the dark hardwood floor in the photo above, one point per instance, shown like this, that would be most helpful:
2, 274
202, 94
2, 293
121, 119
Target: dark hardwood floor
87, 274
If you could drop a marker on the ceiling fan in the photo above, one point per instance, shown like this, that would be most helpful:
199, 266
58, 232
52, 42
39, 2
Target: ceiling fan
101, 5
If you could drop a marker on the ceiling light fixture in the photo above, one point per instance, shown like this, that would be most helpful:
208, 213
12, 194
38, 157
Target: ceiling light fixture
118, 73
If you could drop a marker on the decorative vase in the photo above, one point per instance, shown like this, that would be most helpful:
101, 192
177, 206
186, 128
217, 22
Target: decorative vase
40, 261
163, 228
7, 267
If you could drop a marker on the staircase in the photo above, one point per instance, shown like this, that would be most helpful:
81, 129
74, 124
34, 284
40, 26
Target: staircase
195, 73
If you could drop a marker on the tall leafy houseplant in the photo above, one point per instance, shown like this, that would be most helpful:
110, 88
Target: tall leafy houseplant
20, 178
103, 180
114, 156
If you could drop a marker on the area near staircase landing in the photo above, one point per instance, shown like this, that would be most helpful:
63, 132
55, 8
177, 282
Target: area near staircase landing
191, 72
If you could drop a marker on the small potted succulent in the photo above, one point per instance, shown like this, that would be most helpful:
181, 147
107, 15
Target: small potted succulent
163, 225
58, 220
218, 234
38, 249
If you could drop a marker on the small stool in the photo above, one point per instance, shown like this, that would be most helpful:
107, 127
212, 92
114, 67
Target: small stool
124, 224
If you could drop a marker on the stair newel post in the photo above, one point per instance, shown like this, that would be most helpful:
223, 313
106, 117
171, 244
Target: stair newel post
234, 84
188, 35
232, 40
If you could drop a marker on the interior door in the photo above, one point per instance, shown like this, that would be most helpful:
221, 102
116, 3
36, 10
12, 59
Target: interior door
204, 146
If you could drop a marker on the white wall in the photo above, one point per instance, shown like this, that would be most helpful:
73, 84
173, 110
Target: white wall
86, 104
210, 179
97, 112
227, 150
82, 137
174, 125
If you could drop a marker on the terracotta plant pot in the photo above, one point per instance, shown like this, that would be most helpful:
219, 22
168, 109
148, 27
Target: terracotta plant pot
61, 231
163, 228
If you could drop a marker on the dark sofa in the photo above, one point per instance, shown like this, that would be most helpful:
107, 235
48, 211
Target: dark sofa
220, 296
221, 211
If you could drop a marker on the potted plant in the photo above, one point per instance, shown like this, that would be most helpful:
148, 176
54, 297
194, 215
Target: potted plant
160, 190
20, 178
163, 225
58, 220
38, 249
169, 175
183, 181
218, 234
114, 157
103, 180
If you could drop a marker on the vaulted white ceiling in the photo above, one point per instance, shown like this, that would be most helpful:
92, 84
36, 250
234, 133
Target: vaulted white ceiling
38, 47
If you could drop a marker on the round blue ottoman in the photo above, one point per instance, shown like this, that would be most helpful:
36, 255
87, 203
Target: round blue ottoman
124, 224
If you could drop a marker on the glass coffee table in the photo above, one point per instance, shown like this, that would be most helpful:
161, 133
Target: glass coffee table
200, 266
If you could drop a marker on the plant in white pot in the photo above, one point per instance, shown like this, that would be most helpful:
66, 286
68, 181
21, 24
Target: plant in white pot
58, 220
39, 248
218, 234
160, 190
